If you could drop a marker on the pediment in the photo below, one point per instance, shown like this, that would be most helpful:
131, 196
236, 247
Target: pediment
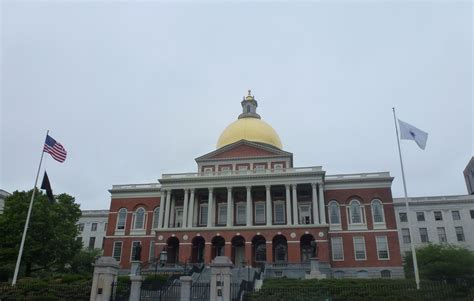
243, 149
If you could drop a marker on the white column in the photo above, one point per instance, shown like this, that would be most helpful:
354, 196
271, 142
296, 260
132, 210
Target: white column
167, 210
315, 204
288, 204
210, 209
269, 205
295, 206
230, 207
185, 209
249, 206
162, 209
172, 211
322, 209
191, 210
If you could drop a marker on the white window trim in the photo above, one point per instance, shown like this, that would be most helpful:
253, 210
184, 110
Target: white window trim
157, 216
125, 221
219, 221
121, 250
378, 225
304, 204
342, 248
264, 213
275, 203
332, 226
241, 204
365, 248
200, 214
434, 216
356, 226
427, 235
131, 249
386, 244
134, 216
151, 255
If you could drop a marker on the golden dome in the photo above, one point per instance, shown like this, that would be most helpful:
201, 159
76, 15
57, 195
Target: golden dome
251, 129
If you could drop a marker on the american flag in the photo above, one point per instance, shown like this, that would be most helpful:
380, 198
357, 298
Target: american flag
55, 149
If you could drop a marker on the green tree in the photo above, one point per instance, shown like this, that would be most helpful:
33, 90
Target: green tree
51, 238
442, 262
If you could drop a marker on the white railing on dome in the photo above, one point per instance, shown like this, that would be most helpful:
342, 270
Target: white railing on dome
243, 172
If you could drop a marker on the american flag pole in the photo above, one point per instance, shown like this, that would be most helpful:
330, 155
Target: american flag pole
410, 229
20, 253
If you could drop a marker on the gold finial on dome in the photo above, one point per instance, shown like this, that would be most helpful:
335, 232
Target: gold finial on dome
250, 96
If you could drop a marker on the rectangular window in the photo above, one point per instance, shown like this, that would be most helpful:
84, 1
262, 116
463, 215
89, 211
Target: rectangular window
420, 216
151, 255
241, 213
472, 213
456, 215
260, 213
225, 170
178, 217
359, 248
243, 167
279, 212
79, 239
403, 216
424, 235
222, 214
80, 227
442, 234
305, 214
260, 166
117, 253
94, 227
133, 250
406, 236
438, 215
203, 214
382, 247
91, 242
459, 233
337, 248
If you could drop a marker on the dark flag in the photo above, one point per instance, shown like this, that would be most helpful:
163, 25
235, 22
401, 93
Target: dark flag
47, 186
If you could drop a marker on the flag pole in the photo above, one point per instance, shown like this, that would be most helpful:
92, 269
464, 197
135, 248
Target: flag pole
20, 253
413, 252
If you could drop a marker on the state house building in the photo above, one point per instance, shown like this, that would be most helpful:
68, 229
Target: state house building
248, 202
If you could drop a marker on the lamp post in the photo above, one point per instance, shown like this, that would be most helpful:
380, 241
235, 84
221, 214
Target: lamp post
163, 257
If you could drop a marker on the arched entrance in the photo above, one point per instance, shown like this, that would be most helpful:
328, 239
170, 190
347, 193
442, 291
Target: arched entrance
306, 249
173, 250
197, 252
259, 249
238, 250
218, 244
280, 249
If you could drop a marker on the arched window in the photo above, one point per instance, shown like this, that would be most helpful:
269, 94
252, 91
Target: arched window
356, 215
339, 274
139, 219
122, 217
377, 211
362, 274
334, 213
248, 108
385, 274
156, 216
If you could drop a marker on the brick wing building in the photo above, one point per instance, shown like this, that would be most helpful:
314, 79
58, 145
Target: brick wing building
248, 202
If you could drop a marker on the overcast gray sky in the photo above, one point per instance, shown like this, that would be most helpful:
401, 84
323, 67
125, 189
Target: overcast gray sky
136, 89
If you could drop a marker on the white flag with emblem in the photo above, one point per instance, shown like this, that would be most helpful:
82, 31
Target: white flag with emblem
409, 132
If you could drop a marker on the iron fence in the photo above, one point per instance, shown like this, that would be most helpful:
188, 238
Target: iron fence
200, 291
120, 291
